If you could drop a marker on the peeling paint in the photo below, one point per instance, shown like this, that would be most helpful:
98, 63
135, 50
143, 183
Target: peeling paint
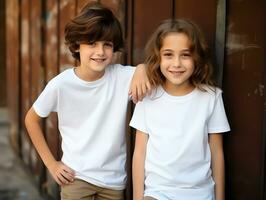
259, 90
236, 43
240, 43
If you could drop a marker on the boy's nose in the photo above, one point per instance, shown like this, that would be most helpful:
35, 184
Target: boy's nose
99, 49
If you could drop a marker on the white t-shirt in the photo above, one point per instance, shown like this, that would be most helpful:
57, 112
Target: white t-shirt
92, 123
178, 158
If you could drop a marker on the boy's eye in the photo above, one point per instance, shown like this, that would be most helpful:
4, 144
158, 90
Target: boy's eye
109, 44
91, 43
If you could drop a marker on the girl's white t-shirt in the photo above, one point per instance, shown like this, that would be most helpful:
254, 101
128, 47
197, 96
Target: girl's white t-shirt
178, 158
92, 123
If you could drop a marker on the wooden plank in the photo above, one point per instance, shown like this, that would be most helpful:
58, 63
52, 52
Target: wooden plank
25, 77
67, 12
37, 68
3, 99
51, 39
37, 78
51, 62
12, 68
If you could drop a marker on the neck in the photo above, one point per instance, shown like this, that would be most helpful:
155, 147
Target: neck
86, 75
177, 90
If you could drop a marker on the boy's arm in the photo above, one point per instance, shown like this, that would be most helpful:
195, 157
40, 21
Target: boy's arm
217, 157
60, 172
140, 84
138, 165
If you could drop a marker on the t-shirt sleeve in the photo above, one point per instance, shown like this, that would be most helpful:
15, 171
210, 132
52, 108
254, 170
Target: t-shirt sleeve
218, 122
138, 118
47, 101
124, 76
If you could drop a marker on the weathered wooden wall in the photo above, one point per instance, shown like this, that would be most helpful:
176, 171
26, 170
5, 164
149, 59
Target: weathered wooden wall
235, 31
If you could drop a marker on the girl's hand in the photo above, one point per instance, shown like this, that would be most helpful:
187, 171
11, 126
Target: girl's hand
61, 173
140, 85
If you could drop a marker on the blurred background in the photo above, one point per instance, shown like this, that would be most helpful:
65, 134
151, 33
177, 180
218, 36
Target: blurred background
33, 51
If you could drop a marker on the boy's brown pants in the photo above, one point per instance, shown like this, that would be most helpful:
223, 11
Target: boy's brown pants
81, 190
149, 198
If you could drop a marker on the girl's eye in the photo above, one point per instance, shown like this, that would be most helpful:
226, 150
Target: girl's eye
167, 55
186, 55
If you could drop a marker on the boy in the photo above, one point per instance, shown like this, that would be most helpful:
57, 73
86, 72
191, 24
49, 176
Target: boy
91, 102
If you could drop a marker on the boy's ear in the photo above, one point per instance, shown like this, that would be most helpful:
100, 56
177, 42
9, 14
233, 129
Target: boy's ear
76, 47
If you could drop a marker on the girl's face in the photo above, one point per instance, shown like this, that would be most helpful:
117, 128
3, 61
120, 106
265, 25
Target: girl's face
95, 57
176, 64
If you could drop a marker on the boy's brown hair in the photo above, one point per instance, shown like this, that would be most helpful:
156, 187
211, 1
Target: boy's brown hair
198, 47
94, 23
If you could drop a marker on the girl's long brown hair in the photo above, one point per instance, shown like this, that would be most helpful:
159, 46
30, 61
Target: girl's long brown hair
203, 71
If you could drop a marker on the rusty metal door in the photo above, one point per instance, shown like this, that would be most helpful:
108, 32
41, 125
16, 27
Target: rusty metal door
244, 92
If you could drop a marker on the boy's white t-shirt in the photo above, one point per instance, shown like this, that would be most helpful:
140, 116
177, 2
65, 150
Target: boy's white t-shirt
178, 158
92, 123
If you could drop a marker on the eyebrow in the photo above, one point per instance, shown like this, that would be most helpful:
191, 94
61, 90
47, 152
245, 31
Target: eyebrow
183, 50
166, 50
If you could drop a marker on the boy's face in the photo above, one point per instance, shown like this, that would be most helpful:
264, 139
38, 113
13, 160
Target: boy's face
95, 57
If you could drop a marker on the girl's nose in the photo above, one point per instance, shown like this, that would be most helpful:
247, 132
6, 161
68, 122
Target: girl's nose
177, 62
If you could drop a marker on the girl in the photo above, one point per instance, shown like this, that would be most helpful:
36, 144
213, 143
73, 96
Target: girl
178, 151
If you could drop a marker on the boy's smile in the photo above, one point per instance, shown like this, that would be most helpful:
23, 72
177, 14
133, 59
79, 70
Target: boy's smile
98, 60
94, 58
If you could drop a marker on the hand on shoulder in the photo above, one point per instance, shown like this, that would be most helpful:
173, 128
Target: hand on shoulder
140, 85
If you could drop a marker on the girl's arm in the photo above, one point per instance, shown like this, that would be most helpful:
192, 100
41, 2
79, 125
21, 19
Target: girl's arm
217, 164
138, 165
140, 84
60, 172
